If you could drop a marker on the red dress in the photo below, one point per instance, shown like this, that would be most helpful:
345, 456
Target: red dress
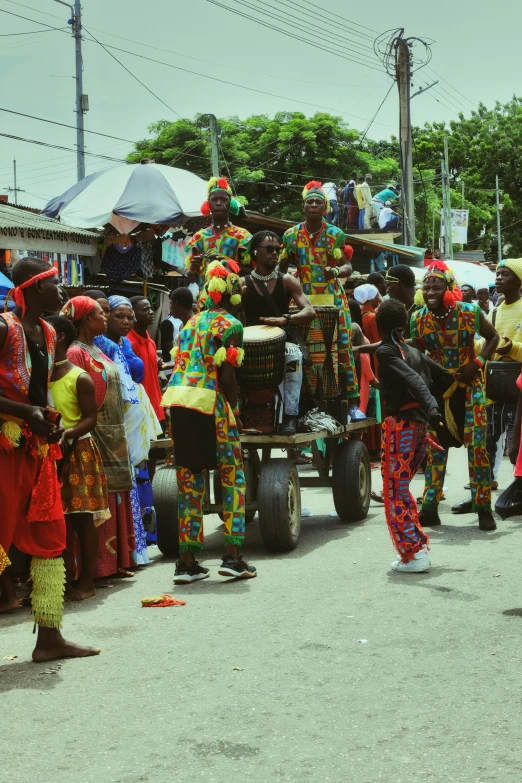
145, 349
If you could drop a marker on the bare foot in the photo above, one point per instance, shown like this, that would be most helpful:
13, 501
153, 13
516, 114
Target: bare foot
122, 574
51, 645
9, 605
79, 593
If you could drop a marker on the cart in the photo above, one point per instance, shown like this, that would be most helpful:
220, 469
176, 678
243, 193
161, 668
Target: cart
273, 484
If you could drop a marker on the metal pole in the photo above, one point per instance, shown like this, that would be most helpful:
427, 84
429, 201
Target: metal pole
447, 229
463, 202
443, 217
499, 233
81, 99
403, 81
215, 145
15, 186
80, 137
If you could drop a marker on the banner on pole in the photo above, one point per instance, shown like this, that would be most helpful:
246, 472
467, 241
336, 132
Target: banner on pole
459, 226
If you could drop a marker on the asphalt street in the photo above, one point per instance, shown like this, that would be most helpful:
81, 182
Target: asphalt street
327, 667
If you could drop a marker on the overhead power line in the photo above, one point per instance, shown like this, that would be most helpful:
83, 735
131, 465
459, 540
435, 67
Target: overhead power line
311, 41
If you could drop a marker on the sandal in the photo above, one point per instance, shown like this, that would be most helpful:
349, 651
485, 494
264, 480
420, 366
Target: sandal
161, 600
377, 497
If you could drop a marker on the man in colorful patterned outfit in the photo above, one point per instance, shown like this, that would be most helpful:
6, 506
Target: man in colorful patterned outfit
221, 237
317, 250
32, 516
202, 396
445, 329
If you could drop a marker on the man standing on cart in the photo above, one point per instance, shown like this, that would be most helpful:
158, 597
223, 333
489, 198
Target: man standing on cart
267, 294
202, 397
221, 236
317, 249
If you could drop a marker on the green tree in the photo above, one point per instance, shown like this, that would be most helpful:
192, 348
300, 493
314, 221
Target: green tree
269, 160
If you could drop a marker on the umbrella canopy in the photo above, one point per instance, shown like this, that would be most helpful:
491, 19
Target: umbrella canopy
5, 285
138, 193
476, 275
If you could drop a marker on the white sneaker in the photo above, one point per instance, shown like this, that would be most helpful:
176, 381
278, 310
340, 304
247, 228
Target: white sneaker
418, 565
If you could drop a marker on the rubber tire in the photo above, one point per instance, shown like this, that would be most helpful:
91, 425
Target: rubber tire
273, 497
351, 500
165, 491
251, 479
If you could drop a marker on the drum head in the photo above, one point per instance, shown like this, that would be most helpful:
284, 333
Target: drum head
258, 334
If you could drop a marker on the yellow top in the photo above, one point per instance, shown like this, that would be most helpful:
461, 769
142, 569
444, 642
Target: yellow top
65, 397
508, 323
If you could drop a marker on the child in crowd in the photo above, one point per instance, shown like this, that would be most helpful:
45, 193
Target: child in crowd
405, 377
84, 486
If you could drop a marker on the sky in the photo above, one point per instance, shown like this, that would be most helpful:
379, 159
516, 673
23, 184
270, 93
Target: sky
334, 68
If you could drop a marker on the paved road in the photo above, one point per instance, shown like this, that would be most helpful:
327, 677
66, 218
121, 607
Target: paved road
270, 680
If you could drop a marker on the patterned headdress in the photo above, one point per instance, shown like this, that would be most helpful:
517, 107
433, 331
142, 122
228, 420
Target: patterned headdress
443, 272
117, 301
222, 279
315, 188
77, 307
220, 184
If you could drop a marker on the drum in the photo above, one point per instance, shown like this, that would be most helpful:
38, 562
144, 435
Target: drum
321, 380
264, 363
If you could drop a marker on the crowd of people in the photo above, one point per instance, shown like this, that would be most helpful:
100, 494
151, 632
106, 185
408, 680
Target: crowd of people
353, 206
81, 401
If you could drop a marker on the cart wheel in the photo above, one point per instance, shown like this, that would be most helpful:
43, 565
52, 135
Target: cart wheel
279, 498
251, 467
352, 480
165, 491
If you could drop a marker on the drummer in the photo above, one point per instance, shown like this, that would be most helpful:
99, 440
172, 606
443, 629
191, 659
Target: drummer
220, 237
272, 308
317, 249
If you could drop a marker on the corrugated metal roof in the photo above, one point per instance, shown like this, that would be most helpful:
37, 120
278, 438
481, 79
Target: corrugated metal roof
12, 217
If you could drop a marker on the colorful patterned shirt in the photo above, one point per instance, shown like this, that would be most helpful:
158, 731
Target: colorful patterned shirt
452, 344
311, 256
194, 382
232, 241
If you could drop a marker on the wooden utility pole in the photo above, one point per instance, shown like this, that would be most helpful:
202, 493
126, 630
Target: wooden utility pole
407, 194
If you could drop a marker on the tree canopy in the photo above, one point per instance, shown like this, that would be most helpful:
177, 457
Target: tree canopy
268, 160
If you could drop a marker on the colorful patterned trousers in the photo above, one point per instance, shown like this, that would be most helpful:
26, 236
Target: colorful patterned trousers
403, 450
478, 463
191, 489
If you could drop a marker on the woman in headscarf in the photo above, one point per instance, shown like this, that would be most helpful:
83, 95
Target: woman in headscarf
116, 534
369, 298
141, 423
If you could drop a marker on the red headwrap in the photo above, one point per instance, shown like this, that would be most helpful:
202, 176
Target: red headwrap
77, 307
348, 252
18, 292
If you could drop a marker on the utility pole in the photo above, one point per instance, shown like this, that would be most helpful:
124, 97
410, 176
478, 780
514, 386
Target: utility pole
448, 234
404, 82
499, 234
215, 145
16, 190
463, 201
82, 100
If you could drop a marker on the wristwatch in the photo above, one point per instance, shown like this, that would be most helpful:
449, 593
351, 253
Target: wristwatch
288, 317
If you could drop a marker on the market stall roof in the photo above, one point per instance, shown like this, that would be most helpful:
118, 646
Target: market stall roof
414, 255
23, 230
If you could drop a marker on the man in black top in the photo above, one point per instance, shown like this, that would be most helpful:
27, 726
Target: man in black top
264, 251
405, 377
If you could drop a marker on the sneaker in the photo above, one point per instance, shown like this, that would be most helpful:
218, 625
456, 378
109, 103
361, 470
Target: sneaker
237, 568
189, 572
429, 518
418, 565
486, 520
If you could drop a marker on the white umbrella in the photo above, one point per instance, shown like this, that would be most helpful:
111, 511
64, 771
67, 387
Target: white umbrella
136, 193
476, 275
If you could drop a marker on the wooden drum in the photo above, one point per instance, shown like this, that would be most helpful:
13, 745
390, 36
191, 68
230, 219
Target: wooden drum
321, 380
264, 363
